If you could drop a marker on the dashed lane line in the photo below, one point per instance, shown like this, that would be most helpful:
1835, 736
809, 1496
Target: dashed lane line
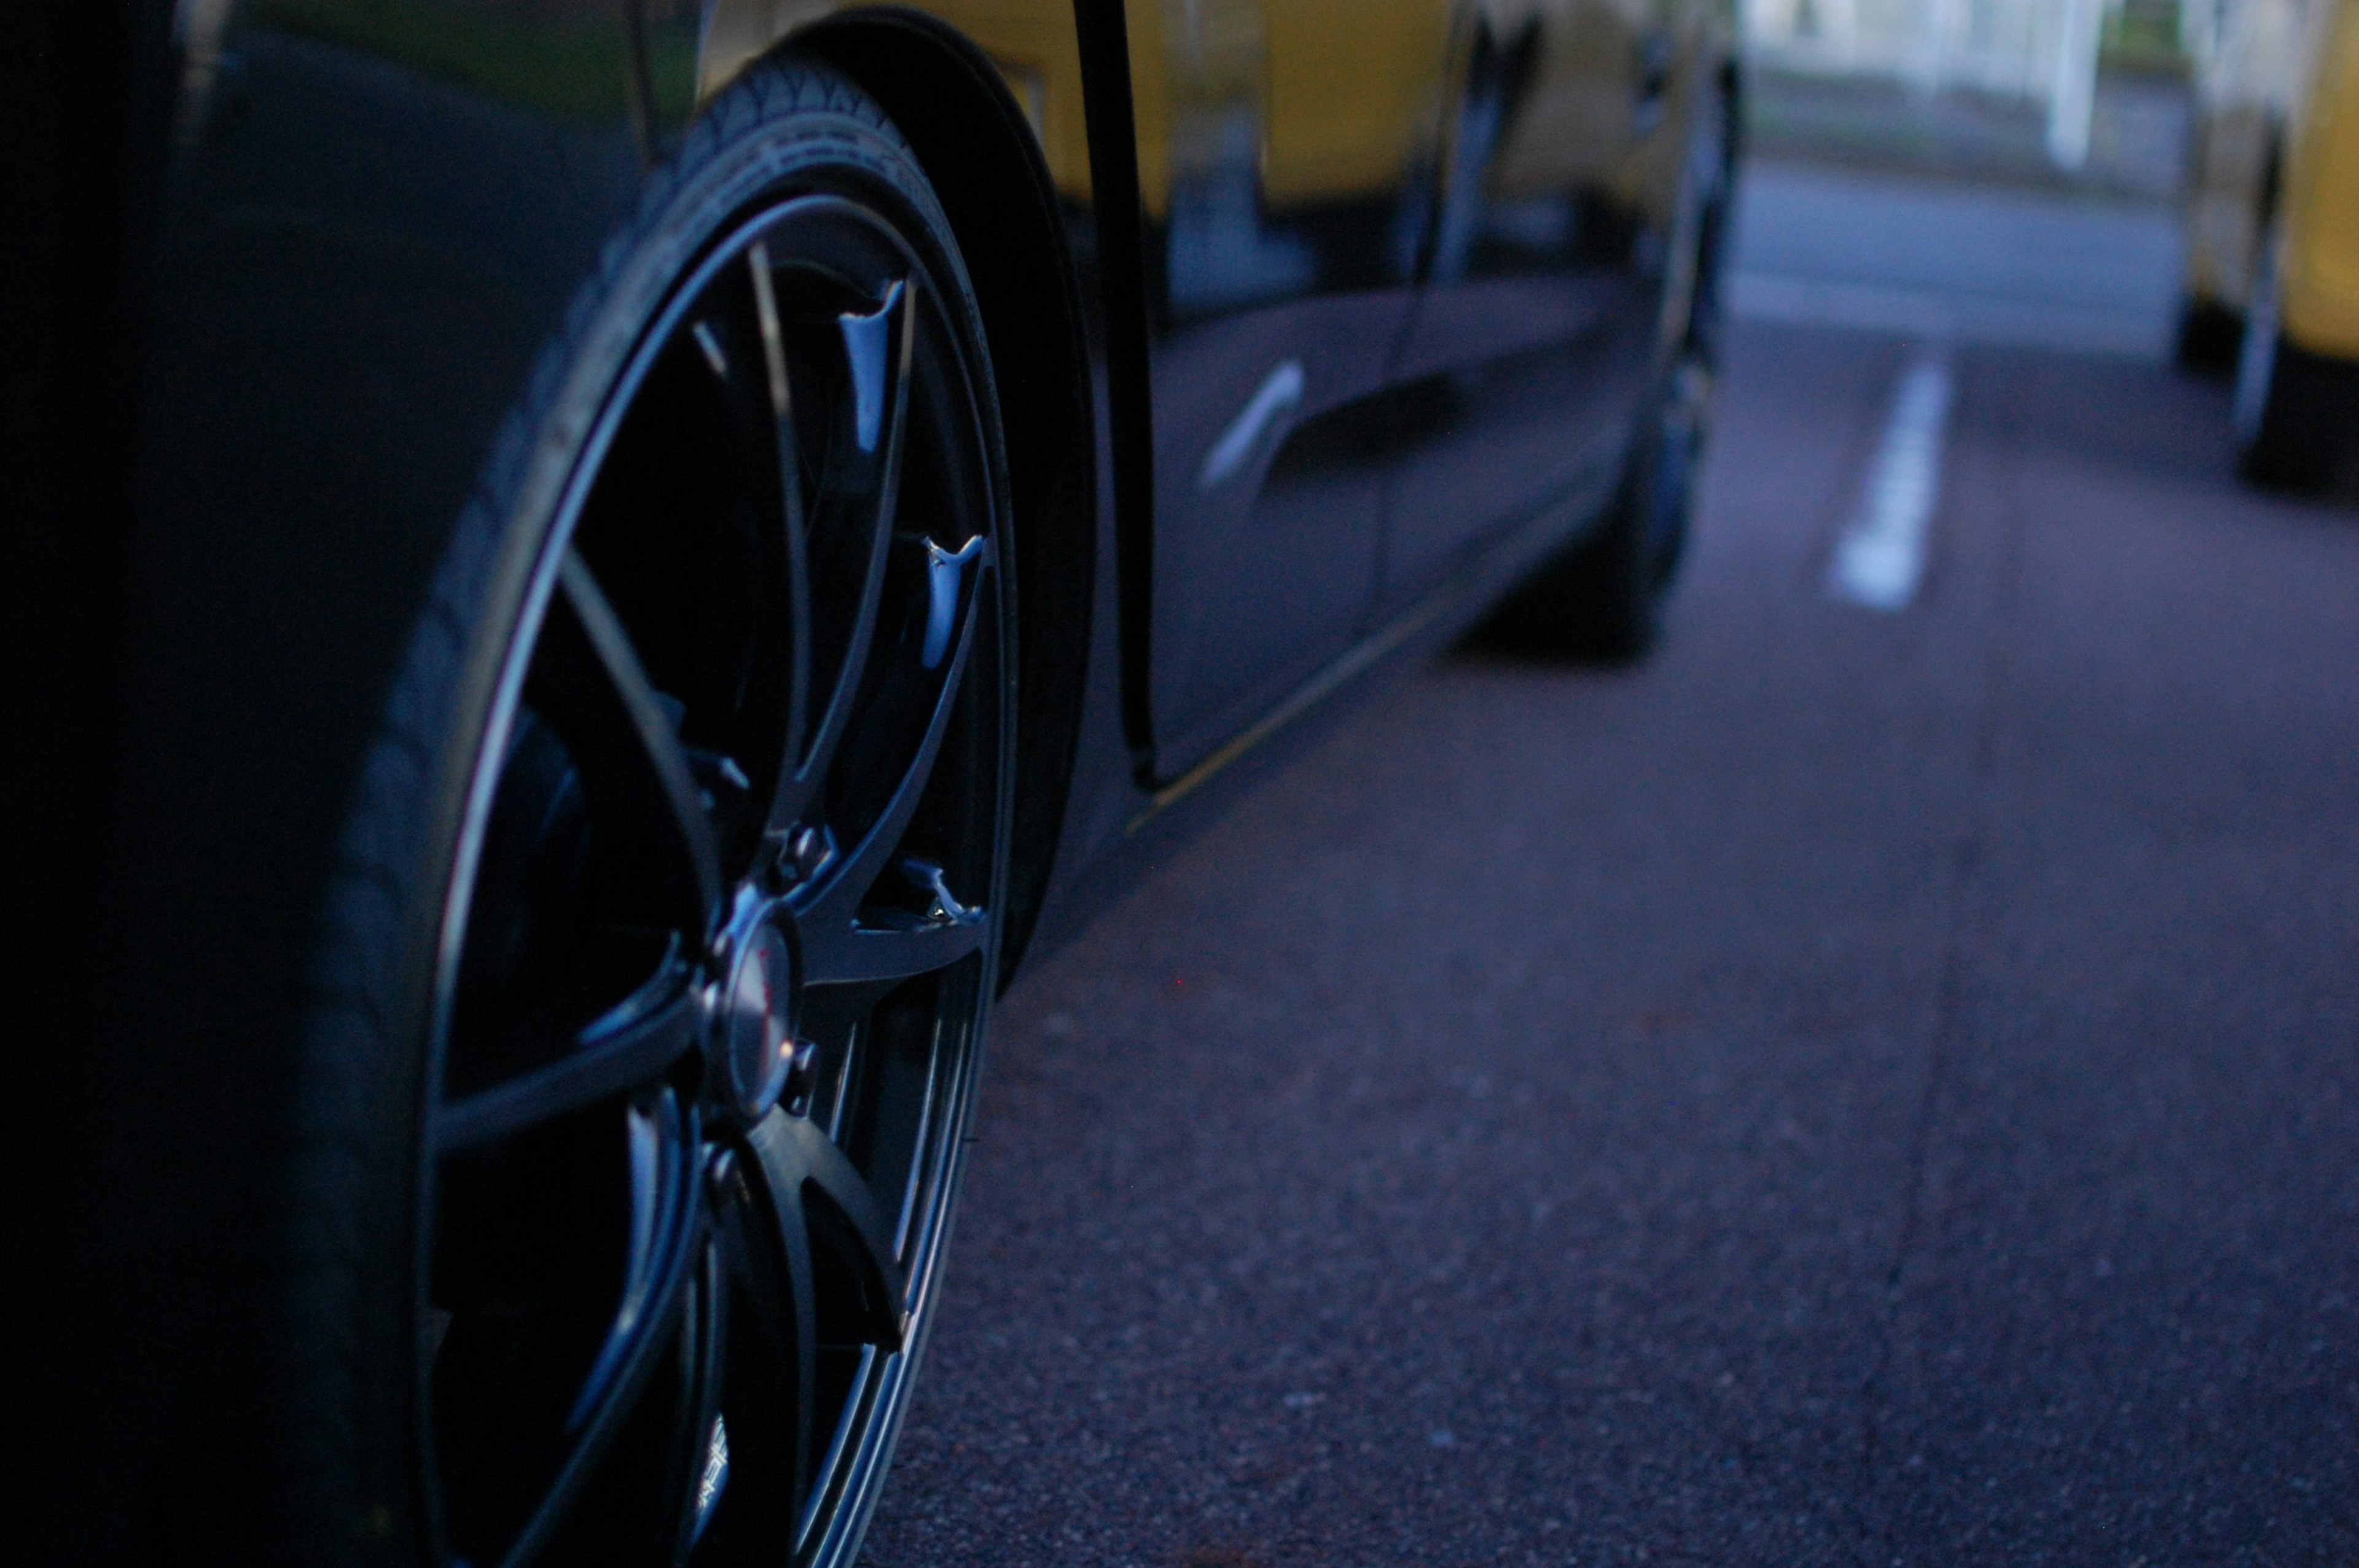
1880, 558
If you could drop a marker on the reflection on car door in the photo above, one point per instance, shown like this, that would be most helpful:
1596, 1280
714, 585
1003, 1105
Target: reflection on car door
1285, 156
1534, 326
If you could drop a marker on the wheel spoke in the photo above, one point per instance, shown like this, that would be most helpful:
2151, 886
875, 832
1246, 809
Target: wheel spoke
879, 368
741, 341
590, 685
877, 346
705, 1471
663, 1232
894, 944
666, 1231
777, 1337
868, 953
798, 1160
629, 1045
945, 576
833, 904
786, 454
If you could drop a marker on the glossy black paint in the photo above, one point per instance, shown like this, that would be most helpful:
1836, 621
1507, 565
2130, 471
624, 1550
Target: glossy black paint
1358, 378
1534, 327
1275, 315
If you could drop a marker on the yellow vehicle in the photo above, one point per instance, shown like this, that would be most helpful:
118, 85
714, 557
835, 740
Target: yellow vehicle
2273, 236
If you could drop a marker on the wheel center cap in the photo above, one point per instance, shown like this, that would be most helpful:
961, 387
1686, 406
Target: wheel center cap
756, 1032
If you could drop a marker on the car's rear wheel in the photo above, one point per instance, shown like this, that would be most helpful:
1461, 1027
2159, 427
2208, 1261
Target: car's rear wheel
673, 895
2210, 335
1603, 597
2295, 414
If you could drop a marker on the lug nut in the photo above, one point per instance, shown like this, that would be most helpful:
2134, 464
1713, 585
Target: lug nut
720, 1173
802, 1076
807, 851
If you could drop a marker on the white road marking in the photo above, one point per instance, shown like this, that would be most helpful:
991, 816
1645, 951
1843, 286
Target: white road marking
1881, 557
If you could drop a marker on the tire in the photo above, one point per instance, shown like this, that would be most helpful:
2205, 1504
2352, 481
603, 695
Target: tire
2295, 414
2209, 338
1603, 600
656, 977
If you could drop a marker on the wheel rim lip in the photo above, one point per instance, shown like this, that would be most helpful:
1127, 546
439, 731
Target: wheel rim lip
877, 1402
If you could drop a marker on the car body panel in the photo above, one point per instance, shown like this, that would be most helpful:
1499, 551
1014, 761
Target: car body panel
1273, 311
1534, 324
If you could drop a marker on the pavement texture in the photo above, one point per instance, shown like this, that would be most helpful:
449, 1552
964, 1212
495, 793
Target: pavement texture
1859, 1088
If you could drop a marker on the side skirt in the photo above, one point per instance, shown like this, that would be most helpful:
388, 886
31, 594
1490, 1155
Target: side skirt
1452, 604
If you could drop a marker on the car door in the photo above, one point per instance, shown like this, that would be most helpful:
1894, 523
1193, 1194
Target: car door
1535, 324
1285, 151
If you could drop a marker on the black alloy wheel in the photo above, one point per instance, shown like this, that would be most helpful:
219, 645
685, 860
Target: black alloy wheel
714, 956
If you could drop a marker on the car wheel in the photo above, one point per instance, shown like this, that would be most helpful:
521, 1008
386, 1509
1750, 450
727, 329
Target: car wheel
1603, 599
2292, 411
659, 975
2209, 338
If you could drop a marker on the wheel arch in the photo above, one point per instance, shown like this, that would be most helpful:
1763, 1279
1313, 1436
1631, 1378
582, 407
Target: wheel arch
986, 167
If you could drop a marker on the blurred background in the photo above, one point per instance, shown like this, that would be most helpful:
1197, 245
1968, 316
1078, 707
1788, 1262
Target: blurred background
2010, 169
2084, 94
1872, 1082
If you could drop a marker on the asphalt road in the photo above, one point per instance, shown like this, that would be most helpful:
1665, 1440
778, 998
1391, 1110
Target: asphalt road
1863, 1087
